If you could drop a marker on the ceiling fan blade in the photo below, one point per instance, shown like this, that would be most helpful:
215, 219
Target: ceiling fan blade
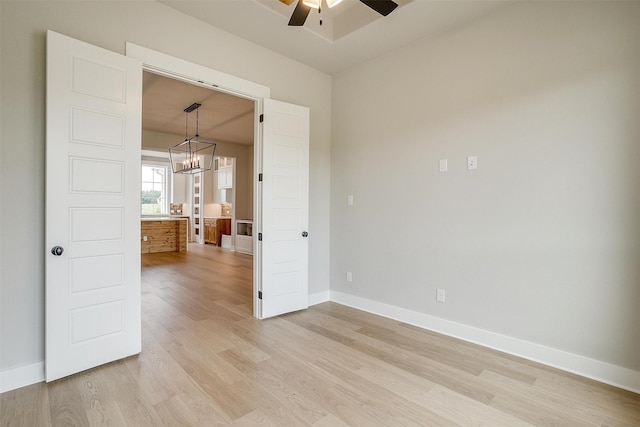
299, 15
383, 7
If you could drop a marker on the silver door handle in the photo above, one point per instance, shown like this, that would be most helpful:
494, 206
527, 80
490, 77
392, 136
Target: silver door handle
57, 250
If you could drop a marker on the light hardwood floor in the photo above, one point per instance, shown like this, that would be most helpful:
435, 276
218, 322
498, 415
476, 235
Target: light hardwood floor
206, 361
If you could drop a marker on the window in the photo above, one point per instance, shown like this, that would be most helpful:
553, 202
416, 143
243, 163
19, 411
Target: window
155, 189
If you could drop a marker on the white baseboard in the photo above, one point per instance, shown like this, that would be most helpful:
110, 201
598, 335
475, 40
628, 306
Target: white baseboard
590, 368
624, 378
318, 298
22, 376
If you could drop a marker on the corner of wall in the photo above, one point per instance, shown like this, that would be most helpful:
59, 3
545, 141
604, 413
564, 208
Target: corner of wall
319, 298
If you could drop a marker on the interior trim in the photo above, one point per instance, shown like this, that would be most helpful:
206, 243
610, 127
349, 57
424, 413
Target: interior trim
319, 298
177, 68
21, 376
196, 74
603, 372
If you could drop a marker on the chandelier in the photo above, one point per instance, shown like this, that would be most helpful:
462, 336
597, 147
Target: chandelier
194, 154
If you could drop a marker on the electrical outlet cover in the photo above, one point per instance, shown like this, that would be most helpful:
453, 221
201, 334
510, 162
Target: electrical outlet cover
472, 162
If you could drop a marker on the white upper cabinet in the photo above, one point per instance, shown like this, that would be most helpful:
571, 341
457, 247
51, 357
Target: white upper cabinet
224, 173
225, 177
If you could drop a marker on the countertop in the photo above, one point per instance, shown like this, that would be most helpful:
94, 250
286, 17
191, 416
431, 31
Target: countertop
164, 218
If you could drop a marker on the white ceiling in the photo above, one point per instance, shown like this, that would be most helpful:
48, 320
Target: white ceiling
351, 33
222, 117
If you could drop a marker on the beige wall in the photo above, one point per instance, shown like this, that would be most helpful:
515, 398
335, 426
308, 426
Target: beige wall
541, 242
110, 25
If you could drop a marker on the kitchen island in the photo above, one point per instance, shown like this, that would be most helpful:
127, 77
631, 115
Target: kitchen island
163, 234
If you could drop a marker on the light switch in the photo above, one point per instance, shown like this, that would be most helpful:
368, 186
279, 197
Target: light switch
444, 165
350, 200
472, 162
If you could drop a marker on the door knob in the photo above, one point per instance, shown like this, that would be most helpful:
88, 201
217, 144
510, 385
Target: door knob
305, 234
57, 250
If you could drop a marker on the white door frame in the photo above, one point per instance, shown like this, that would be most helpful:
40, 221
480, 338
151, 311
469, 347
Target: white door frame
180, 69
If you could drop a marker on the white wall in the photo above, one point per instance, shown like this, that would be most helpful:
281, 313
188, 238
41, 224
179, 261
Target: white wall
541, 242
109, 25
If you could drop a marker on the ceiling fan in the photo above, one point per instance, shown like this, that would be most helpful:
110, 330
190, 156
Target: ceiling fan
300, 13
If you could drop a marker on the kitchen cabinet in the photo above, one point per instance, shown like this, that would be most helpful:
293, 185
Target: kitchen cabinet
224, 172
225, 177
223, 226
210, 231
214, 228
244, 236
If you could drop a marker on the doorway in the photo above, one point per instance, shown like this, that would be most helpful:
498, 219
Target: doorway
179, 69
217, 196
281, 198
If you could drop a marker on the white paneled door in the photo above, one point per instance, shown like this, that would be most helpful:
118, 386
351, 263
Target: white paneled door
94, 108
285, 208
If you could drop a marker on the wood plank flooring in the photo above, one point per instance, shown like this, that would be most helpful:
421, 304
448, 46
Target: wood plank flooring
207, 362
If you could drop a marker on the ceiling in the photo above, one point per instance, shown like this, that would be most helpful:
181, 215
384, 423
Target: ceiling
351, 33
222, 117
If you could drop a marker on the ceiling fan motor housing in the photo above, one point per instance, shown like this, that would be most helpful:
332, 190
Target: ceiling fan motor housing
302, 9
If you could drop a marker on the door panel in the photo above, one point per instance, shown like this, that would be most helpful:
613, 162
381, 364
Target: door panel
285, 210
96, 176
93, 206
83, 123
96, 272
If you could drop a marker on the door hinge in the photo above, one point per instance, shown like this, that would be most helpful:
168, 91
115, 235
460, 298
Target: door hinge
259, 294
259, 177
261, 118
260, 237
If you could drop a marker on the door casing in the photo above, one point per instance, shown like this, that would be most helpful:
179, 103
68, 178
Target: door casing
179, 69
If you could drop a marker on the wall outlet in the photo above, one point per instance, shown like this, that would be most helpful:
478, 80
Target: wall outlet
350, 200
144, 238
349, 277
441, 295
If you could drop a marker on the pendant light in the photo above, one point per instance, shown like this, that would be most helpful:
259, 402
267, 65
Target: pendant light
193, 155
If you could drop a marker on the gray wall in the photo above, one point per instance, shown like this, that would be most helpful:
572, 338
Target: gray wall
542, 241
109, 25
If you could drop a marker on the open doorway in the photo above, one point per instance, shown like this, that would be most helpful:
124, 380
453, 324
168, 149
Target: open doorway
210, 203
281, 179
